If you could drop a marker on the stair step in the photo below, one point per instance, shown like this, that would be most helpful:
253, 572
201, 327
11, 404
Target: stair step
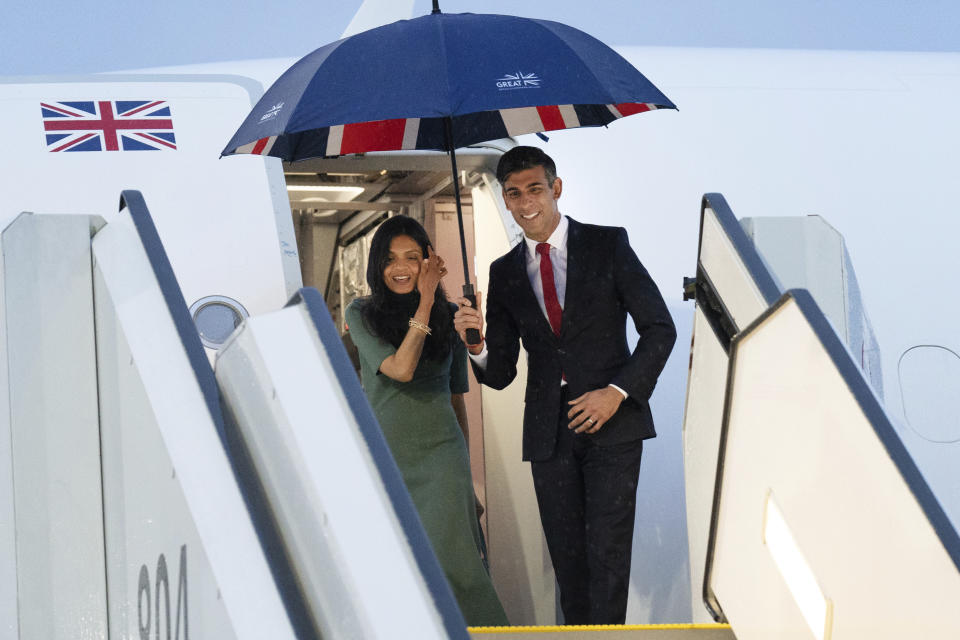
607, 632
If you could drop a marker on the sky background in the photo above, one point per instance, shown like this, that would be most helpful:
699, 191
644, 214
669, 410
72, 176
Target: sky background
57, 37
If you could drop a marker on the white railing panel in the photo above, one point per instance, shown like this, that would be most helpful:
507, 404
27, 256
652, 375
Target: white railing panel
51, 530
299, 418
168, 485
824, 525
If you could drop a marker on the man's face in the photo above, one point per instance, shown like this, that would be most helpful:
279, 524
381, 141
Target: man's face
533, 202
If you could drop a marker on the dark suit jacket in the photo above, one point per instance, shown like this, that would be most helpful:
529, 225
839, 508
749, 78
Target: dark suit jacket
605, 282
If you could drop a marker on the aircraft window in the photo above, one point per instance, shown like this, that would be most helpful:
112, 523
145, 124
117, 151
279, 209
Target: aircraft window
216, 317
930, 392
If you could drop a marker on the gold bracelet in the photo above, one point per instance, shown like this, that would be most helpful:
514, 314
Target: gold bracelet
416, 324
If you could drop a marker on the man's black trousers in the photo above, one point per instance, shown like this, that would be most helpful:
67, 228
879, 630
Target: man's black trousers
587, 496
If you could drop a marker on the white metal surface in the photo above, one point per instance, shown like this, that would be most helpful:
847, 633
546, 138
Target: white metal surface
796, 428
728, 273
225, 223
167, 483
930, 390
924, 410
706, 385
806, 252
359, 576
57, 582
9, 627
783, 132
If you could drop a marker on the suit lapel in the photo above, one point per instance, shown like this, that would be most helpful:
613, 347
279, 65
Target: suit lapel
526, 301
576, 257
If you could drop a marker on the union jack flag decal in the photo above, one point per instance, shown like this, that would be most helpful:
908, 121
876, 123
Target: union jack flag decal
108, 125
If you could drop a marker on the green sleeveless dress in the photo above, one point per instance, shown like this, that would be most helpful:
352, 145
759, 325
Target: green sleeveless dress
421, 429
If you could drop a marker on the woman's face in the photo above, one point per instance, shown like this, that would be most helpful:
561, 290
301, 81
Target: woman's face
403, 265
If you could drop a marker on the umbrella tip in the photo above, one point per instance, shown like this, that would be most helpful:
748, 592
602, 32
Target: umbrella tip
436, 7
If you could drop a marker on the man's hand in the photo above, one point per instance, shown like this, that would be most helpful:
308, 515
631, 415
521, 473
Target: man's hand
467, 317
590, 412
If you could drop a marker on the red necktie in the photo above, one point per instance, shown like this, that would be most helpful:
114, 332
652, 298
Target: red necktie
550, 301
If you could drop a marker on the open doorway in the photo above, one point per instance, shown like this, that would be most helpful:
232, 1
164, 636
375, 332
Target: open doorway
337, 204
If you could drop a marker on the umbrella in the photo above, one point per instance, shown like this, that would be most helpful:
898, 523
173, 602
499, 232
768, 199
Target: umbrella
440, 82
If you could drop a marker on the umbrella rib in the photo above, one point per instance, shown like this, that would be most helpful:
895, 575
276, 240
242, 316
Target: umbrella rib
333, 47
544, 24
446, 68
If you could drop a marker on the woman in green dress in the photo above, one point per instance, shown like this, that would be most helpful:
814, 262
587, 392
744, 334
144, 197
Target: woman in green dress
414, 372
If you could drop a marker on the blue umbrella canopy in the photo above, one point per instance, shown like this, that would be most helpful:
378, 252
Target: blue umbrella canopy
440, 82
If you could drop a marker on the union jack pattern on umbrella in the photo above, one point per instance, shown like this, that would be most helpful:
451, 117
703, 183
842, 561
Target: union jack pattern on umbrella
108, 125
402, 134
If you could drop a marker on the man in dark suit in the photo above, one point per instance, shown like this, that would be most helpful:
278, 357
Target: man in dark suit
565, 292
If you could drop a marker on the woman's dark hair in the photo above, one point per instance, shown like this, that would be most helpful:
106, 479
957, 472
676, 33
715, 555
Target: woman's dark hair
386, 314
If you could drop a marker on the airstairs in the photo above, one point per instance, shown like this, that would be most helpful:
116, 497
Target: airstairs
146, 493
147, 501
812, 518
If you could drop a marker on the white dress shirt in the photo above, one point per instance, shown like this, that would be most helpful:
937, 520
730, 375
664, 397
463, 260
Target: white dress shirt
558, 258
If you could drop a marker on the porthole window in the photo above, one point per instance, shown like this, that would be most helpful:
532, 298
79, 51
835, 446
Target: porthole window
215, 318
930, 392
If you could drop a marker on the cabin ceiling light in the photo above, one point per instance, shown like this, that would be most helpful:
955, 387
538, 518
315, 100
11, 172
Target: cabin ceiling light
816, 608
316, 199
353, 191
322, 193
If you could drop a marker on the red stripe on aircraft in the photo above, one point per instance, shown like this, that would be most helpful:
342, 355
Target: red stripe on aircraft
378, 135
551, 118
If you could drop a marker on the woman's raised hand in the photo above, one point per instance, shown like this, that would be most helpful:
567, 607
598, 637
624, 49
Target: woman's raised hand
431, 270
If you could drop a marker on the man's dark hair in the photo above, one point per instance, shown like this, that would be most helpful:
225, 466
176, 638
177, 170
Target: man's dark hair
521, 158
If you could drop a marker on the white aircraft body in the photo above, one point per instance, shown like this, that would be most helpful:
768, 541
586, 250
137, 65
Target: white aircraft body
865, 140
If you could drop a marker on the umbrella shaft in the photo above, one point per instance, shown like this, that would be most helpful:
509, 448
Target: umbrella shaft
456, 192
473, 336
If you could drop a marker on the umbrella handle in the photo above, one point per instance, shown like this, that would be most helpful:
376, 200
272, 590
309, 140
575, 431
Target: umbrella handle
473, 336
